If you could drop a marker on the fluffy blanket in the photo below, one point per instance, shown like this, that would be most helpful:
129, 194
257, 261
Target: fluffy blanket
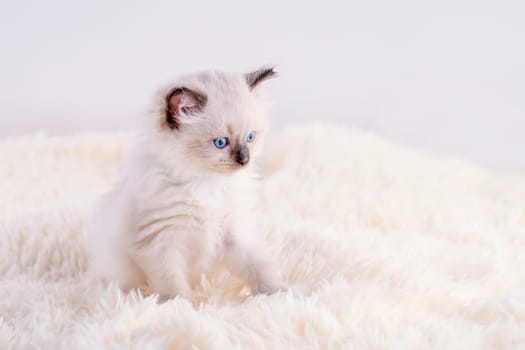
392, 248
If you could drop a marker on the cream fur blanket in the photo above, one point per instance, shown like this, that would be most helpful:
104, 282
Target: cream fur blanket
394, 249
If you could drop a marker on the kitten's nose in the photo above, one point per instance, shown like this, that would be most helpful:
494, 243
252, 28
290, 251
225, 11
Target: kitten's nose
242, 155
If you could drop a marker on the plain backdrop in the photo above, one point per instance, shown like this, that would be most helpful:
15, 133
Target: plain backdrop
447, 76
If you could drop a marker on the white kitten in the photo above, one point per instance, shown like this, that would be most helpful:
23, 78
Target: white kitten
185, 199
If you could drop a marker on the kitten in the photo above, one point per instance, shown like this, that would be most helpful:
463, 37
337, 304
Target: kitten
185, 199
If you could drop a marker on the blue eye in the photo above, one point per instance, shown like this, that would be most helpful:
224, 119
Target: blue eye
220, 142
251, 136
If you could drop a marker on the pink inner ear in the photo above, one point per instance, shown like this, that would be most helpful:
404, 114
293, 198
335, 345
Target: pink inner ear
174, 104
182, 103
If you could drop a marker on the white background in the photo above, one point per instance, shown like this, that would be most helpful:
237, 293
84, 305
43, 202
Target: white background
448, 76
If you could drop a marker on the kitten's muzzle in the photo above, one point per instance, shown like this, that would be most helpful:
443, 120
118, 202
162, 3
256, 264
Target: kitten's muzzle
241, 155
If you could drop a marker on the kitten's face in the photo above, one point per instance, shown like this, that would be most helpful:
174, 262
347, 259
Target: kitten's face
214, 123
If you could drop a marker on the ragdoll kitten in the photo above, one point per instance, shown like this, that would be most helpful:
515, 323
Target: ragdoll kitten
184, 201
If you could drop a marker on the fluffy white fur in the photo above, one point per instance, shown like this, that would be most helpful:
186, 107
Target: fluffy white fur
396, 250
183, 204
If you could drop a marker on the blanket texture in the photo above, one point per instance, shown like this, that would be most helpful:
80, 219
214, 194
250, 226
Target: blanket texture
392, 248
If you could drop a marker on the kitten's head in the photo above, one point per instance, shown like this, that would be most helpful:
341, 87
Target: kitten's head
212, 122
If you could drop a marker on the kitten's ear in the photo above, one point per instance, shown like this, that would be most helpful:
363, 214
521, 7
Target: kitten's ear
255, 78
182, 100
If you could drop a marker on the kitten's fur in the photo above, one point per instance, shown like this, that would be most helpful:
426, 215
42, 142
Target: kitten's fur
182, 202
